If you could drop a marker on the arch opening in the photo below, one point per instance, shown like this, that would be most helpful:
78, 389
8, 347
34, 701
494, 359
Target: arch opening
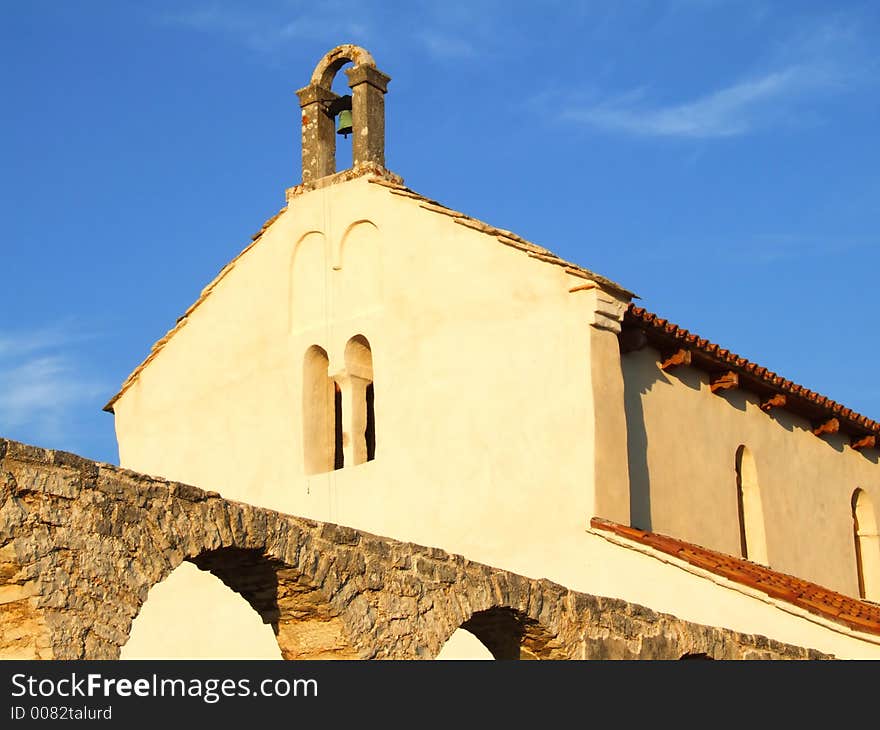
499, 633
752, 538
328, 67
193, 615
322, 415
361, 400
464, 645
238, 603
344, 143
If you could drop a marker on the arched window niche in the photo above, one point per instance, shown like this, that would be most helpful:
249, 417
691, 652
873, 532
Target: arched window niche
753, 541
322, 421
867, 546
359, 397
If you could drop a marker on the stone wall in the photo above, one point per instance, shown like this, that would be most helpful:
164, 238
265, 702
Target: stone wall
81, 544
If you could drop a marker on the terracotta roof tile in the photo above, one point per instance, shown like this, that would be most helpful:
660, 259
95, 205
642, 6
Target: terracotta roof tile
710, 356
856, 614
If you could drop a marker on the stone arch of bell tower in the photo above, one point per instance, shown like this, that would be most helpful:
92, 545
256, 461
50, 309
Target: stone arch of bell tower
318, 104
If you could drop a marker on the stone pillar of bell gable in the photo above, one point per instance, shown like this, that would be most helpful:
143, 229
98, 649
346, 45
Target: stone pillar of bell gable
368, 88
318, 133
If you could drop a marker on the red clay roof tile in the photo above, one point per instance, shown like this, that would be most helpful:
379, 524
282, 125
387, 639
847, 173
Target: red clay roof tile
852, 612
803, 401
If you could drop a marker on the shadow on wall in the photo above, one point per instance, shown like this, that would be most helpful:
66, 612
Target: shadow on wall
640, 374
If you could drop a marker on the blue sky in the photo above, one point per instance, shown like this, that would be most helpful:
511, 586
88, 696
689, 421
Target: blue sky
718, 158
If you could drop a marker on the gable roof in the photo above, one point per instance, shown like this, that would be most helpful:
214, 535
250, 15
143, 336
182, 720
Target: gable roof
815, 407
831, 605
503, 236
508, 238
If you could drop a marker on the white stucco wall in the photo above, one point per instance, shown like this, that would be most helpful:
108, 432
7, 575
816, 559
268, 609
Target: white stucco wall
683, 443
489, 381
481, 372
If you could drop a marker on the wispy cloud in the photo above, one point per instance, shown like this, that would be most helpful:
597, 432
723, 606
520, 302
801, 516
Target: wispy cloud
448, 31
61, 334
787, 81
729, 111
42, 382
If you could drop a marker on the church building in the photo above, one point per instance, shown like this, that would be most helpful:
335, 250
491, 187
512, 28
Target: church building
377, 360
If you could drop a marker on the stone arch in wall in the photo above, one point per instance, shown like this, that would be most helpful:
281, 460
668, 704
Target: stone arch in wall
510, 634
305, 623
193, 615
867, 545
294, 610
753, 540
332, 61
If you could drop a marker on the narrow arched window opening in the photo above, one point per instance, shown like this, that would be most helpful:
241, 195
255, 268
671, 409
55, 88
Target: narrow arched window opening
867, 546
361, 446
338, 451
322, 414
317, 410
753, 542
743, 542
370, 432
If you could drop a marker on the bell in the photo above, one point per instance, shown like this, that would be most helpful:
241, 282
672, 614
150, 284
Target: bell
343, 123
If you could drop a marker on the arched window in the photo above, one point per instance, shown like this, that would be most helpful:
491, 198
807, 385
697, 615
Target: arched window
322, 421
361, 400
867, 546
753, 542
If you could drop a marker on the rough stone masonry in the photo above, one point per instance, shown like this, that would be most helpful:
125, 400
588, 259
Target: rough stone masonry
81, 544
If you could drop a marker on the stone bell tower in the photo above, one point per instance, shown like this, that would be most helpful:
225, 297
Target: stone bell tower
319, 108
